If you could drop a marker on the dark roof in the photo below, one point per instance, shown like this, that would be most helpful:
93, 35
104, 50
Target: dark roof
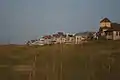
56, 35
32, 41
115, 26
70, 35
105, 20
60, 33
104, 28
47, 37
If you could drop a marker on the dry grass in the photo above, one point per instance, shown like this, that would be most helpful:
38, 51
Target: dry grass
96, 60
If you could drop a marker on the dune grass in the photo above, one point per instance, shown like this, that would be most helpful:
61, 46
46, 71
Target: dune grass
95, 60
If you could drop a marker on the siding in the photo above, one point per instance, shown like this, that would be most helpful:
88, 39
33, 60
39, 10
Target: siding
115, 36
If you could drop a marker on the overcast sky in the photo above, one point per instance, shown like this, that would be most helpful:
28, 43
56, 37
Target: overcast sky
22, 20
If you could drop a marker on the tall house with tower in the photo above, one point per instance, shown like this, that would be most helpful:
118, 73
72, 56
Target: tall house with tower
109, 30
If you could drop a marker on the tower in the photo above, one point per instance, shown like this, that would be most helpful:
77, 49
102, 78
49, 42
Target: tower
105, 24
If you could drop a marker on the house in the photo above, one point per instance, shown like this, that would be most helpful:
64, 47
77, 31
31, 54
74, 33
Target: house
69, 38
78, 38
61, 37
47, 39
54, 38
58, 38
109, 30
35, 42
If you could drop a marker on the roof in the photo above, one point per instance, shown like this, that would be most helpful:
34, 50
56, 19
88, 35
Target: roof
56, 35
60, 33
105, 20
115, 26
70, 35
83, 34
105, 27
47, 37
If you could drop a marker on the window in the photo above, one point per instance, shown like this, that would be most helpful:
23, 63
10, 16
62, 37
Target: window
117, 33
109, 33
108, 24
102, 24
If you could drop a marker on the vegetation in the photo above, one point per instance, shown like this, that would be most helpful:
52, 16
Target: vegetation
95, 60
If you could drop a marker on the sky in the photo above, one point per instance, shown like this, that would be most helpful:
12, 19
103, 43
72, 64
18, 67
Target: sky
22, 20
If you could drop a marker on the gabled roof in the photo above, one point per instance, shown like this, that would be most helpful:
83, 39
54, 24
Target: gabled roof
105, 20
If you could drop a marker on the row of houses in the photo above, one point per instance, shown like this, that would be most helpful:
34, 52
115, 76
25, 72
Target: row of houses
62, 38
107, 30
